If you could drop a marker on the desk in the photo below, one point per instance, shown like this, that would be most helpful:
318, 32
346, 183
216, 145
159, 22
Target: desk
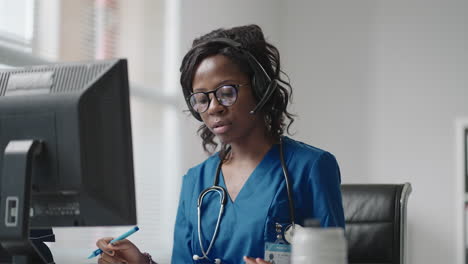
68, 256
73, 245
72, 256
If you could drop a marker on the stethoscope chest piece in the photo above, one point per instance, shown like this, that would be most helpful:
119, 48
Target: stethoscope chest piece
289, 232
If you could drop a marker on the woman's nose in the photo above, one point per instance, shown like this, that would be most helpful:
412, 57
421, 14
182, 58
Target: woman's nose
215, 107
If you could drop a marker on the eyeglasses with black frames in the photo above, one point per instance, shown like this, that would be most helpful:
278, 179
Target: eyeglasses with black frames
226, 95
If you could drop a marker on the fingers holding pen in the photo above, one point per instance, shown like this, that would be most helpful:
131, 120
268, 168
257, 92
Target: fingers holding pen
105, 246
109, 251
119, 245
118, 250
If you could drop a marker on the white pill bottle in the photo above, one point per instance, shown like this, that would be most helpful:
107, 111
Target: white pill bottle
314, 245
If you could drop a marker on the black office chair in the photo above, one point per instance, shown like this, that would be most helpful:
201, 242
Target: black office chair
375, 217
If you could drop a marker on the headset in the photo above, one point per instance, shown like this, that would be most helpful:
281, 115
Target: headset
263, 85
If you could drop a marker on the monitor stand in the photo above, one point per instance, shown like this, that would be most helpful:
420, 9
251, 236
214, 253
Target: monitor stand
15, 194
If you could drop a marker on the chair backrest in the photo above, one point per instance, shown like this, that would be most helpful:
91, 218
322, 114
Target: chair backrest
375, 216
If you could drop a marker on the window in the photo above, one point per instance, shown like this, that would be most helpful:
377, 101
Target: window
145, 32
17, 23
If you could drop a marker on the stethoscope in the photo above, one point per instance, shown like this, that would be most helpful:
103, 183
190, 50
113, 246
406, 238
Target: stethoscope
223, 200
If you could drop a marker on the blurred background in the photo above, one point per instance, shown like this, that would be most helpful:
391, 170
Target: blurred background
383, 85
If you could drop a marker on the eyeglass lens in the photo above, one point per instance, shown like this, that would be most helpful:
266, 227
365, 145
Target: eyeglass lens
226, 95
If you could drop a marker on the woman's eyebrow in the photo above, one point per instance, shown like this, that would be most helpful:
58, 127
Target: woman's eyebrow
229, 81
221, 83
196, 90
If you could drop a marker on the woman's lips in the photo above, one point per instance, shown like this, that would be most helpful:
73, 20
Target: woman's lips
221, 128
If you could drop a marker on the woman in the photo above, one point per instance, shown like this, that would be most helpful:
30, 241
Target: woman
231, 81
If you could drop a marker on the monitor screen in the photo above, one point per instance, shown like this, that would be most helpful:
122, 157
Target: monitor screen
65, 146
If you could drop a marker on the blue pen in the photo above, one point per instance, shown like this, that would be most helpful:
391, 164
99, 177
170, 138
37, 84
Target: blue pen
98, 251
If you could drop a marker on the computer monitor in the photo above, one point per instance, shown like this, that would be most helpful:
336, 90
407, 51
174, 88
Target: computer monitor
65, 149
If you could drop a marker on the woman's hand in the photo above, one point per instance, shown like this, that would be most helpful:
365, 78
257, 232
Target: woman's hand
122, 251
249, 260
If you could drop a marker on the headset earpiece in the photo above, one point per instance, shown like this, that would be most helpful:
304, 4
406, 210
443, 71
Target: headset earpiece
266, 96
264, 86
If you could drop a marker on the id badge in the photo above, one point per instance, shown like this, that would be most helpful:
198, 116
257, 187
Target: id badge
277, 253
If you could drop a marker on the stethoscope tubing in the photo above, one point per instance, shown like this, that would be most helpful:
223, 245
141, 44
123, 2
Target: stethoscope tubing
222, 195
288, 186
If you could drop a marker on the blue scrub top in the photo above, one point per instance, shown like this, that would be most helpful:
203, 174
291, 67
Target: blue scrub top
249, 221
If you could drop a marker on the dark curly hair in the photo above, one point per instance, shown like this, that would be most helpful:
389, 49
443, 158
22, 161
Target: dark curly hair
252, 40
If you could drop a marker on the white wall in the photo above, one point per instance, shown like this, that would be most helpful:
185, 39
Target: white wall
326, 51
421, 87
380, 83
